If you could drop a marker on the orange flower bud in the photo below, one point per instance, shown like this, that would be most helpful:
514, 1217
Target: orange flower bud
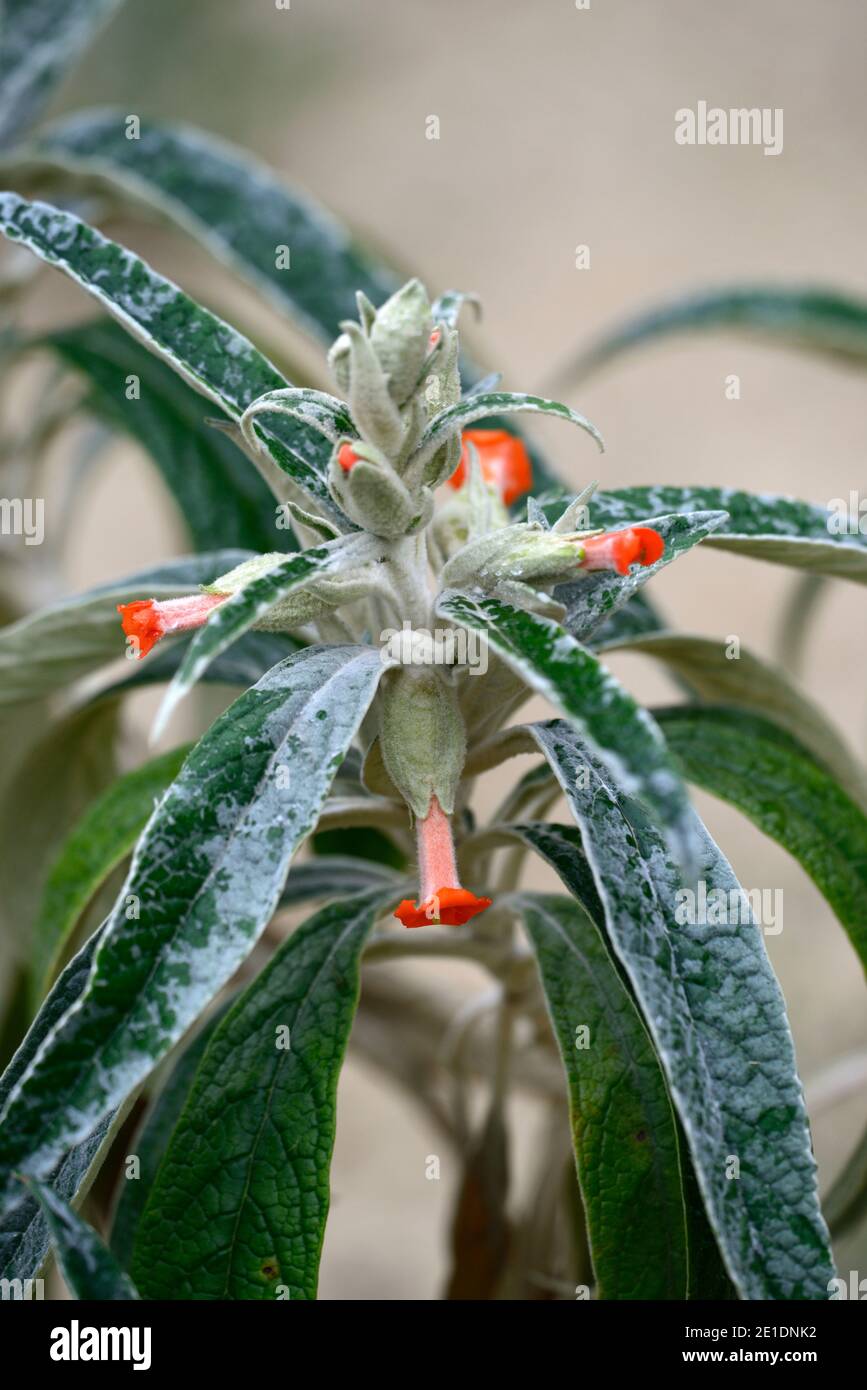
146, 620
504, 461
617, 550
347, 457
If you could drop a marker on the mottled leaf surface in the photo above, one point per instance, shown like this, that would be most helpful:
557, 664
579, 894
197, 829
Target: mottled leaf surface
598, 597
767, 774
717, 1018
210, 356
90, 1270
556, 666
23, 1233
765, 526
39, 41
623, 1125
204, 882
238, 1207
208, 187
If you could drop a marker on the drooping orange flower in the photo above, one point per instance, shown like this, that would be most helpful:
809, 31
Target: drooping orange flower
146, 620
441, 897
617, 550
504, 462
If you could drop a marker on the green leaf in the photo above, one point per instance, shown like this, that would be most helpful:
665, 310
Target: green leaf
243, 664
316, 409
23, 1233
48, 650
596, 598
223, 501
846, 1203
99, 842
152, 1139
745, 681
817, 320
238, 1207
335, 876
204, 882
39, 42
91, 1272
554, 665
238, 613
210, 356
623, 1127
51, 788
479, 407
207, 188
718, 1022
765, 526
636, 618
767, 774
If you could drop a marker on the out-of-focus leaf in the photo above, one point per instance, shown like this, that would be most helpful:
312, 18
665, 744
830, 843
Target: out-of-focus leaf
98, 843
335, 876
50, 790
222, 499
480, 1227
758, 767
207, 188
818, 320
48, 650
39, 40
846, 1203
745, 681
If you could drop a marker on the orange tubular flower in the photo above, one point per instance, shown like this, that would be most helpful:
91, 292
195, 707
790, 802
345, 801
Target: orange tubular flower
504, 461
617, 550
442, 897
146, 620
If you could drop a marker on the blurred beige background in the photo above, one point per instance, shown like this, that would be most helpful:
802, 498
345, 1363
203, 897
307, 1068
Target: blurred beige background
557, 129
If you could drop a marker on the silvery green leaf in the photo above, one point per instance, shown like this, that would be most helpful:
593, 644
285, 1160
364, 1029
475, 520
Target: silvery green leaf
204, 882
762, 525
718, 1022
40, 40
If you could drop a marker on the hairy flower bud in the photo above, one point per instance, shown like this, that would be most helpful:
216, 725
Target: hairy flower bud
364, 484
422, 737
400, 337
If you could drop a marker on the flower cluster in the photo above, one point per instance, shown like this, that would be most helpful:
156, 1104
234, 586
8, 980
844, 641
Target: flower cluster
402, 430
